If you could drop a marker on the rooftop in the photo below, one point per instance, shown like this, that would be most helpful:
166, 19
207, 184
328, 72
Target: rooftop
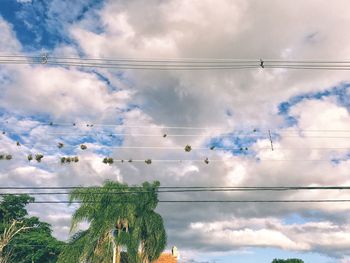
166, 258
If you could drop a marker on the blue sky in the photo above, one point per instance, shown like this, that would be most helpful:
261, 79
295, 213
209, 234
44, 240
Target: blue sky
265, 256
244, 105
40, 25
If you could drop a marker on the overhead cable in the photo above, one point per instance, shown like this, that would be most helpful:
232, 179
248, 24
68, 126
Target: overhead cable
212, 201
177, 64
182, 188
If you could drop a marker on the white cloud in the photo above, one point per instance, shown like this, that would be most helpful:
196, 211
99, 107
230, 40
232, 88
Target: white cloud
225, 29
230, 30
24, 1
72, 94
8, 42
269, 232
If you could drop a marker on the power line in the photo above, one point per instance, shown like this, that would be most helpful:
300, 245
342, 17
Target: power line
205, 160
34, 245
183, 188
197, 135
214, 201
148, 127
111, 193
252, 130
178, 64
183, 59
252, 134
197, 148
111, 134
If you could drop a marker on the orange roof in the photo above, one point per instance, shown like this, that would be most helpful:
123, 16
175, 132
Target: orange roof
166, 258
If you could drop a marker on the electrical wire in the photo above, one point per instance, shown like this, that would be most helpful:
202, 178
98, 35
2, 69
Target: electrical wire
178, 64
180, 188
111, 193
198, 148
210, 201
205, 160
251, 130
243, 131
189, 135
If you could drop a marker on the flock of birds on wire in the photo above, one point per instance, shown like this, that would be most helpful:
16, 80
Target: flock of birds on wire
187, 148
74, 159
106, 160
162, 64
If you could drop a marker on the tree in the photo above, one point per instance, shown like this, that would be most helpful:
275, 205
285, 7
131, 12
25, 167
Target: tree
28, 239
290, 260
74, 248
8, 234
36, 244
151, 227
110, 211
12, 207
119, 216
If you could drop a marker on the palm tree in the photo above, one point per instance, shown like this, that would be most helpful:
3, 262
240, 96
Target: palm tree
119, 216
149, 223
110, 211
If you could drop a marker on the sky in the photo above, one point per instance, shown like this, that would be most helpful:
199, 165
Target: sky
230, 103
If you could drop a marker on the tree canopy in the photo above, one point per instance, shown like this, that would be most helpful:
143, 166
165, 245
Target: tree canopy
290, 260
35, 243
119, 217
123, 227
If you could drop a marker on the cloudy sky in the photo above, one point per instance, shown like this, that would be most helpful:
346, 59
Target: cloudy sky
306, 110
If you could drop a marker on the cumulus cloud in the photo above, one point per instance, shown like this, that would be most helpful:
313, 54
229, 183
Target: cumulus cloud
230, 100
72, 94
196, 30
8, 41
269, 232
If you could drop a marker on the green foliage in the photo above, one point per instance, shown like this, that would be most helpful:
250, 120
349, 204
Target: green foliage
290, 260
13, 207
153, 236
102, 210
118, 215
35, 244
150, 224
75, 246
